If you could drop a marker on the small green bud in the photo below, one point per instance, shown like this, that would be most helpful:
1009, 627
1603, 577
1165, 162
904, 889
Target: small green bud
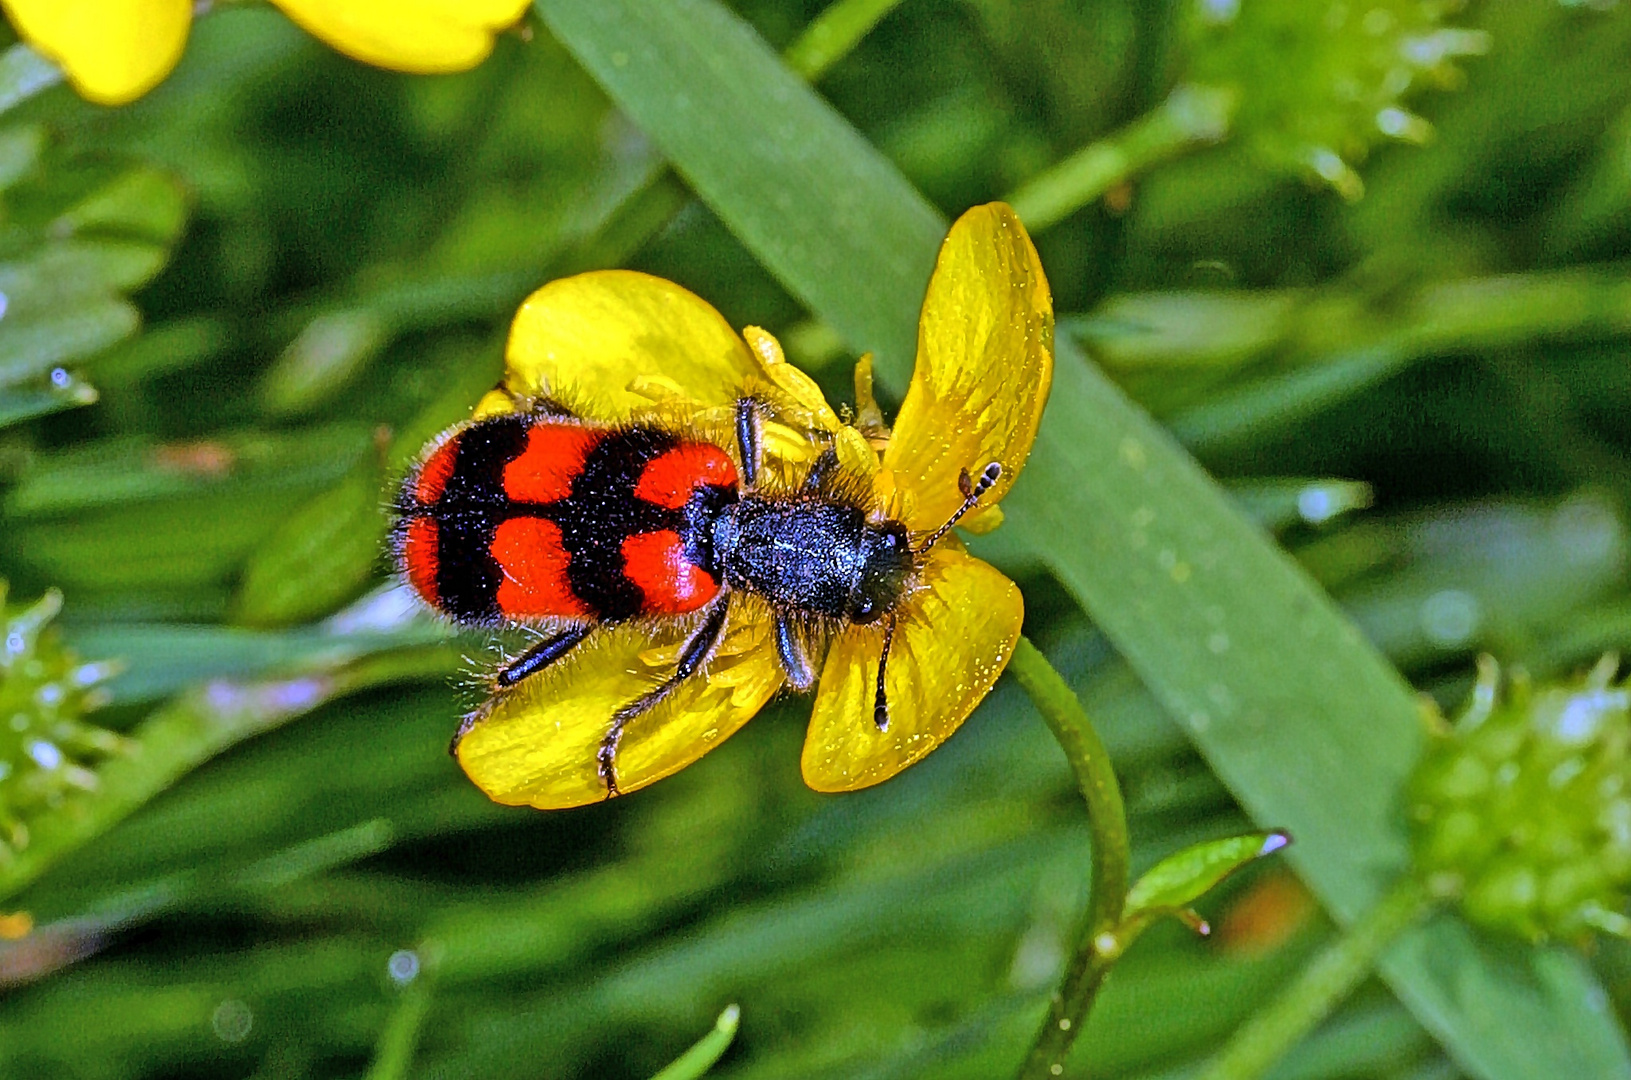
1522, 808
1321, 81
47, 749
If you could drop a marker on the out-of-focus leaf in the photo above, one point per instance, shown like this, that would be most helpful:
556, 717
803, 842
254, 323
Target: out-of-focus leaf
32, 346
59, 391
321, 360
20, 148
160, 350
24, 73
319, 557
161, 658
1311, 728
134, 470
144, 203
1281, 502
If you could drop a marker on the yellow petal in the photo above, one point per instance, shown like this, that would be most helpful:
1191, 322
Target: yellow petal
984, 365
422, 36
586, 340
801, 401
537, 744
954, 637
112, 51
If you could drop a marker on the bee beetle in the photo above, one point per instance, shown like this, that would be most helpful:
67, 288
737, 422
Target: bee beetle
538, 515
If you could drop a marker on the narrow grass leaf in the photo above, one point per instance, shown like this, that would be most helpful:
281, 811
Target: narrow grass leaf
801, 188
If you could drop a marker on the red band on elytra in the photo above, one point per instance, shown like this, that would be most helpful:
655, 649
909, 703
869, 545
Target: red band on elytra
543, 472
421, 556
434, 473
669, 478
672, 584
530, 553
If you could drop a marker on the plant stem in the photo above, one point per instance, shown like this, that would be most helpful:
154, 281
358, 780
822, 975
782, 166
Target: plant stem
1265, 1038
394, 1054
1107, 820
832, 34
1189, 117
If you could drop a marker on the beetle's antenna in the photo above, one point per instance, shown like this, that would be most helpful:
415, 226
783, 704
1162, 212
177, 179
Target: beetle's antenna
972, 490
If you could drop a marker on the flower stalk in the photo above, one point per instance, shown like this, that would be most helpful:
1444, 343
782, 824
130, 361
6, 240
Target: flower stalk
1099, 946
1191, 116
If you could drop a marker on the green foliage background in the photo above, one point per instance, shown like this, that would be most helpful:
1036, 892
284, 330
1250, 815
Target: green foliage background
324, 258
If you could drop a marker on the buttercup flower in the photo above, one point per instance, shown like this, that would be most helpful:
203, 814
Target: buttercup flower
114, 51
620, 347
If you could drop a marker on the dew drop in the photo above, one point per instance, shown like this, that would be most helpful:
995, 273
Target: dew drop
1450, 617
403, 966
45, 754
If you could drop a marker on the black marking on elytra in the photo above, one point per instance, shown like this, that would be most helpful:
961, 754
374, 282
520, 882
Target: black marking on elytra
602, 511
471, 506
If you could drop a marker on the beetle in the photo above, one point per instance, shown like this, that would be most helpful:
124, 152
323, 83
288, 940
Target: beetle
540, 515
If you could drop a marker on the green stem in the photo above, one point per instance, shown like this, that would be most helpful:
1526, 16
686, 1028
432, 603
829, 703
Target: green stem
1189, 117
394, 1054
832, 34
1107, 821
1322, 986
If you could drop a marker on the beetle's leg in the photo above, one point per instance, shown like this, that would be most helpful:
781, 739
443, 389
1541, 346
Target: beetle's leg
790, 651
880, 703
692, 656
819, 468
747, 439
541, 655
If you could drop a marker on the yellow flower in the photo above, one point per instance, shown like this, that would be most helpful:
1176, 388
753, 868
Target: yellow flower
114, 51
618, 346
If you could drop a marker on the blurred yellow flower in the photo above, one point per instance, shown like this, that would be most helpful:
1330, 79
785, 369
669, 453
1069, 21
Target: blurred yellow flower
114, 51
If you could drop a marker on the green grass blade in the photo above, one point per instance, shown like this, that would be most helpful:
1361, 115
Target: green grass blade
1310, 727
802, 189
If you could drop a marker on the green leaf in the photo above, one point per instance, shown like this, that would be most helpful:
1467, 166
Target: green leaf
24, 73
1184, 877
59, 392
30, 347
119, 471
318, 557
805, 191
1310, 727
144, 203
